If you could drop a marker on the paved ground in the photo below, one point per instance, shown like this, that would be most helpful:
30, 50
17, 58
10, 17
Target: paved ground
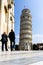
21, 58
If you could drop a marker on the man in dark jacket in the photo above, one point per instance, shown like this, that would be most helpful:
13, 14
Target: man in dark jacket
4, 41
12, 39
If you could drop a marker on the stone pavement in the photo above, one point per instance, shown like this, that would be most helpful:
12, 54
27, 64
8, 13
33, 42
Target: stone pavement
21, 58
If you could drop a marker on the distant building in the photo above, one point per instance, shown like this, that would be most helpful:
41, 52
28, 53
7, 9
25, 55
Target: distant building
25, 30
40, 46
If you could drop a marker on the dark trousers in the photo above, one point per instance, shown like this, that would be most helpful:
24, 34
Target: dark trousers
5, 46
12, 43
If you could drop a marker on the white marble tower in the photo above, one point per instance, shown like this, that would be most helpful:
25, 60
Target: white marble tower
26, 30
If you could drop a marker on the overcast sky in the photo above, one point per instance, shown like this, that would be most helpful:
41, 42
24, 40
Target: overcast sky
36, 8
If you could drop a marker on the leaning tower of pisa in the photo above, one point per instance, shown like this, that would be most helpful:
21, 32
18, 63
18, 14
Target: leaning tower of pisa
25, 30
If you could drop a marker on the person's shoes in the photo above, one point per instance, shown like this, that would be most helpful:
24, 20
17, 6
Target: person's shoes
11, 50
6, 50
2, 50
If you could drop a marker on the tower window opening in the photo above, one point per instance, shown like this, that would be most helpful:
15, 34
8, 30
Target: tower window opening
9, 6
23, 16
5, 8
10, 18
25, 10
11, 2
28, 16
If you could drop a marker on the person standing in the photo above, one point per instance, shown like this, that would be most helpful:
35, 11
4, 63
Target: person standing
12, 39
4, 41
